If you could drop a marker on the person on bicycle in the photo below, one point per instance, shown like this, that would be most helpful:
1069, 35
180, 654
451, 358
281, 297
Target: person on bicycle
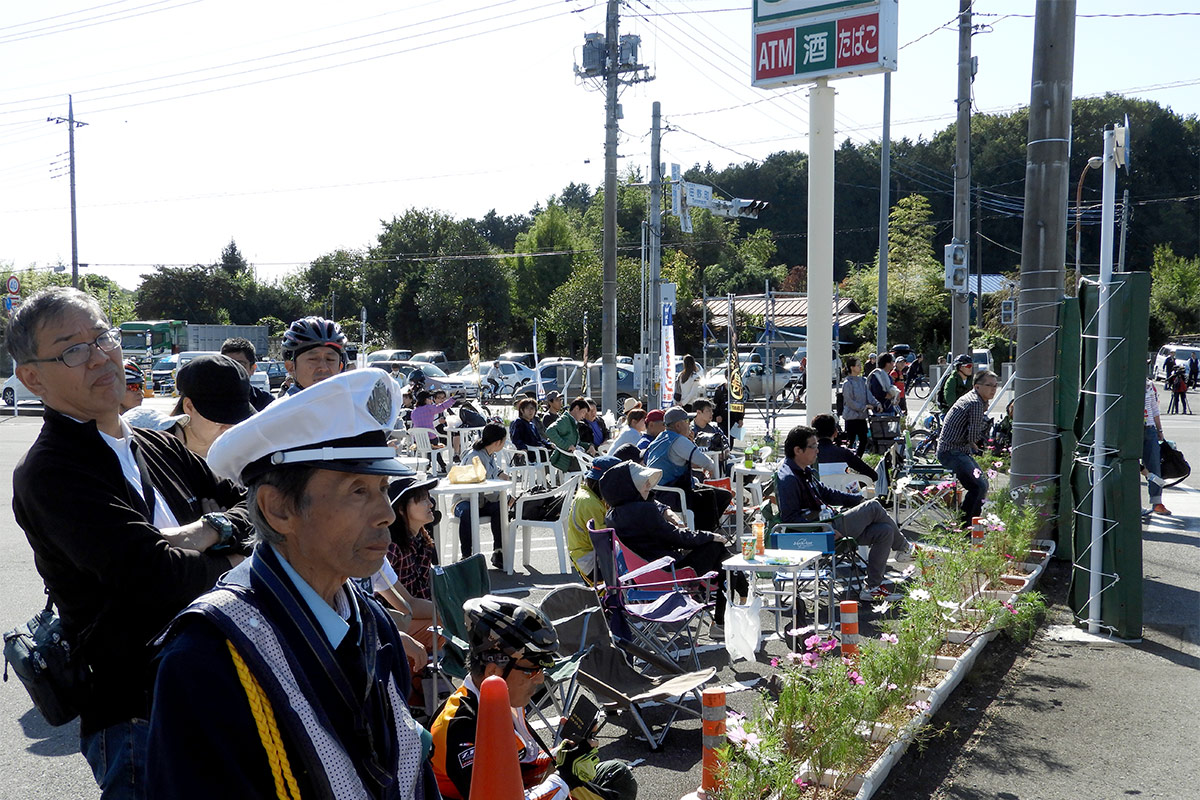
957, 384
916, 371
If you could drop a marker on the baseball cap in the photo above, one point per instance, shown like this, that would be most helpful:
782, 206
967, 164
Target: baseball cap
600, 465
654, 416
552, 396
675, 414
341, 424
218, 387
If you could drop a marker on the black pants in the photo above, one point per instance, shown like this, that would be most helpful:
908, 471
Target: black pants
708, 558
489, 509
856, 430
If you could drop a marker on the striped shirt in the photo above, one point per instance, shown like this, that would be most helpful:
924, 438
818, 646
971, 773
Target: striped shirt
965, 426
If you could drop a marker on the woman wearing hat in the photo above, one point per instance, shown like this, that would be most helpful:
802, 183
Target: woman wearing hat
587, 507
412, 553
214, 393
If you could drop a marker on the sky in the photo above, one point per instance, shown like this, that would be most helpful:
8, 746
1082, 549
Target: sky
297, 128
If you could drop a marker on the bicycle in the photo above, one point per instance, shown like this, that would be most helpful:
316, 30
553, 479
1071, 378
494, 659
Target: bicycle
920, 387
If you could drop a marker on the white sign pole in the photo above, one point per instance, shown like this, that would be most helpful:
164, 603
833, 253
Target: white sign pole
820, 249
666, 375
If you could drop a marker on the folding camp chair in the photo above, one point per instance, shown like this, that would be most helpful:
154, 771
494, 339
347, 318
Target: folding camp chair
925, 497
604, 668
451, 586
661, 607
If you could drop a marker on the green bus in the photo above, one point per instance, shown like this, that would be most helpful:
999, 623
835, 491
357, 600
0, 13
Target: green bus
147, 340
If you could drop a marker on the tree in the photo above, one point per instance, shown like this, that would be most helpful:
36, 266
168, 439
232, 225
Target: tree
458, 292
546, 256
232, 261
918, 301
1174, 296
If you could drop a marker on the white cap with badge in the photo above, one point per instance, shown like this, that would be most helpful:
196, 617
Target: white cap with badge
341, 423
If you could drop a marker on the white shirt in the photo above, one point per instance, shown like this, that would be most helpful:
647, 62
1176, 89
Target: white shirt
628, 436
163, 516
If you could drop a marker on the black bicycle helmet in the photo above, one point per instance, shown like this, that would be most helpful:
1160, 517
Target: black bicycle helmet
309, 332
963, 359
503, 629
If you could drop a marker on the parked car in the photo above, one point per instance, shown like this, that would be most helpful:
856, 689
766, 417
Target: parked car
513, 376
1181, 351
757, 380
521, 358
435, 376
982, 359
567, 377
275, 371
430, 357
389, 355
162, 373
15, 392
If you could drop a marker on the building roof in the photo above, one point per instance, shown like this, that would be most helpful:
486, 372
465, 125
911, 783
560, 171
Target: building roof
789, 312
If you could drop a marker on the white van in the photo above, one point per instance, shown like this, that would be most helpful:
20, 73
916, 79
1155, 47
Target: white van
1182, 353
982, 359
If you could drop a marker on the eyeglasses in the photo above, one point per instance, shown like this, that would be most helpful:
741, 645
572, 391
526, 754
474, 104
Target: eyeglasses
813, 446
531, 672
78, 354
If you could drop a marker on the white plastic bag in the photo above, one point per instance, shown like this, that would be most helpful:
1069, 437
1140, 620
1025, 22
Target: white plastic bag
743, 628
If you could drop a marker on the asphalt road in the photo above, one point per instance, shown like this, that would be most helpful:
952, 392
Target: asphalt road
37, 761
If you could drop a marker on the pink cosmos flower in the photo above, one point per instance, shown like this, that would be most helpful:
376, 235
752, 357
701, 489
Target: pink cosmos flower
799, 781
774, 662
889, 638
919, 705
812, 642
828, 644
855, 678
810, 659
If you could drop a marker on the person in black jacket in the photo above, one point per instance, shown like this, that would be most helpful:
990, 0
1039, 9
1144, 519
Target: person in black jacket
829, 452
242, 351
522, 431
117, 521
652, 530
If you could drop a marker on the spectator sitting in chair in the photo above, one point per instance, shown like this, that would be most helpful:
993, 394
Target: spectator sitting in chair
593, 431
588, 507
522, 431
829, 452
554, 409
676, 455
564, 435
964, 433
654, 426
652, 530
636, 419
514, 640
803, 498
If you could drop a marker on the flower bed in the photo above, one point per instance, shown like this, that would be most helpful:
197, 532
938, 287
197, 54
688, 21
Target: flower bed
833, 725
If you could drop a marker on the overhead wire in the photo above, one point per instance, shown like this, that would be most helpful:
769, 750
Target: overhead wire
99, 20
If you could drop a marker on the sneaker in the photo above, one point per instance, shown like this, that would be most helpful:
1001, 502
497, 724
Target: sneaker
906, 556
878, 594
498, 559
1159, 508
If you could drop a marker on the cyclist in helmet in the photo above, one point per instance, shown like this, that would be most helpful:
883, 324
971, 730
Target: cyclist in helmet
514, 640
314, 348
135, 382
958, 383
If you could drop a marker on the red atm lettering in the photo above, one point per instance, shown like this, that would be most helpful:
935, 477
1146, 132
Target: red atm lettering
776, 54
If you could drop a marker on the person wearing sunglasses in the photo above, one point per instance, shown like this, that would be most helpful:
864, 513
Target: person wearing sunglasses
964, 430
118, 519
514, 640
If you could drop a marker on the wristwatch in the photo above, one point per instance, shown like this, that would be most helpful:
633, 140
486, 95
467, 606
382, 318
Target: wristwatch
219, 522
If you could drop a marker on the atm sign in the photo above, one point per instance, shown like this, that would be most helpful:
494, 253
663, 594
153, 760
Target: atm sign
801, 53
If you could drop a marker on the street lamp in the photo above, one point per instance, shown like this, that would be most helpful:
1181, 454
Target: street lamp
1095, 162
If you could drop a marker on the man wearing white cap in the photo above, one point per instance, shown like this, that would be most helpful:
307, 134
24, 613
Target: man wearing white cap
289, 633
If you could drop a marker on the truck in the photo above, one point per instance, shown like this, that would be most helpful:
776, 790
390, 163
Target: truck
168, 336
146, 341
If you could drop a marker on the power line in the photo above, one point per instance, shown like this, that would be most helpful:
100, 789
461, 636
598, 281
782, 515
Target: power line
66, 27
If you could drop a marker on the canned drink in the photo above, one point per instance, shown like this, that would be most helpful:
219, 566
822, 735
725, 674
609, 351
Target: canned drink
748, 548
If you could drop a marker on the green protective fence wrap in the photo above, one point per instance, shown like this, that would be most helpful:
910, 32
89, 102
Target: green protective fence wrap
1066, 405
1129, 311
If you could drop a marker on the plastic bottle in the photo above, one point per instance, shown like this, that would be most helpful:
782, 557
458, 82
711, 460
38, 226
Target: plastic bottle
759, 528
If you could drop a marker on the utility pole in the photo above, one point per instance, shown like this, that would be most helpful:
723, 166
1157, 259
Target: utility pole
71, 125
655, 253
608, 57
885, 203
959, 306
978, 258
1043, 243
608, 370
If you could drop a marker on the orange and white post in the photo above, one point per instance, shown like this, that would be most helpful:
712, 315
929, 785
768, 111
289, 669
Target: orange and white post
849, 613
712, 728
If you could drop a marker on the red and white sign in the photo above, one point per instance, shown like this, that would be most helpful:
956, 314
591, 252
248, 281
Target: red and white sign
835, 42
14, 284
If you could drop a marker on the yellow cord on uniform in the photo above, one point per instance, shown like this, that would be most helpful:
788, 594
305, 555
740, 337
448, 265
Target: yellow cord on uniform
268, 731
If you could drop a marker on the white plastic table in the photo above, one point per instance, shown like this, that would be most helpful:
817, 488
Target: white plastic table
770, 563
445, 492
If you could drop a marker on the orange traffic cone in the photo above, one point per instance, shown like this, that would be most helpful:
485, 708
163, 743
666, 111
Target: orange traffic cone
497, 771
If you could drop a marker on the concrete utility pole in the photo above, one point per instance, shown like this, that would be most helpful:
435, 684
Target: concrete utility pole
885, 208
71, 125
959, 301
608, 339
1043, 243
820, 249
655, 252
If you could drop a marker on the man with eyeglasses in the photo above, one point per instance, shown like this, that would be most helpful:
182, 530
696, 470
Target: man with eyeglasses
964, 430
514, 640
117, 521
803, 498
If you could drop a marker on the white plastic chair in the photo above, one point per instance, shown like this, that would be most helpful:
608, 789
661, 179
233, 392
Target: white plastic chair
688, 516
558, 526
423, 443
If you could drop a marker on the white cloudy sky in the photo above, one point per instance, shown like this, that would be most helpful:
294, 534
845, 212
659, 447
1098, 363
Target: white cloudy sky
296, 127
